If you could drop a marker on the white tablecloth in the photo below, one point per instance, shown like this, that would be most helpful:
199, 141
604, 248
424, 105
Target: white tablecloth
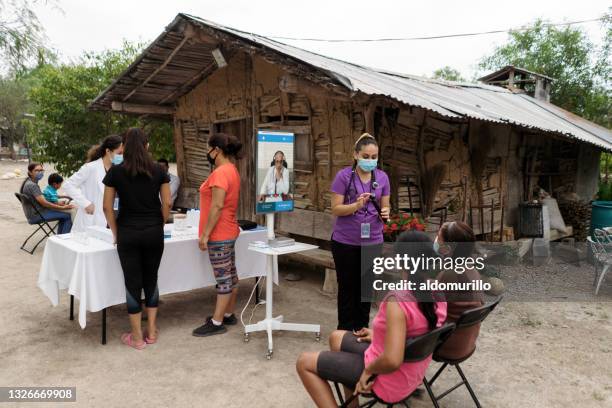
93, 274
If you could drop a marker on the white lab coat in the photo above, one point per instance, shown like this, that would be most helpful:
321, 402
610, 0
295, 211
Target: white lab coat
175, 183
271, 186
85, 187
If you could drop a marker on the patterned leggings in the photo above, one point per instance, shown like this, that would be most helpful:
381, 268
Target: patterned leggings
222, 256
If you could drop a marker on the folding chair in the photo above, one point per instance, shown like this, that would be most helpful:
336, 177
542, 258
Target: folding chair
467, 319
417, 349
42, 224
601, 246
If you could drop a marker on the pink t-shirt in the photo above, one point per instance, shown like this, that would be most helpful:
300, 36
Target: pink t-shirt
399, 384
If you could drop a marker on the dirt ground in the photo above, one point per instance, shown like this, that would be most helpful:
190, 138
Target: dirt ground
529, 354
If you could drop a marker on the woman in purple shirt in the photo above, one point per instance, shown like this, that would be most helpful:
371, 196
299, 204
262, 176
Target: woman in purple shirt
360, 202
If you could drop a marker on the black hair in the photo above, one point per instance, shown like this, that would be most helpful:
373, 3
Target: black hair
364, 140
420, 245
54, 178
31, 167
460, 237
230, 145
163, 161
273, 160
110, 142
136, 158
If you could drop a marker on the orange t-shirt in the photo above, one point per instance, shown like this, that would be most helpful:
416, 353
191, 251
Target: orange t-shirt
225, 177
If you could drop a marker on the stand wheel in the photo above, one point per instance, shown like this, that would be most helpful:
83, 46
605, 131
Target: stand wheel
246, 337
269, 354
318, 336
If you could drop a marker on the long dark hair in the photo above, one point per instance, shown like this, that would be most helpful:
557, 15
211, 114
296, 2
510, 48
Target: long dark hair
420, 245
110, 142
460, 237
274, 160
136, 158
230, 145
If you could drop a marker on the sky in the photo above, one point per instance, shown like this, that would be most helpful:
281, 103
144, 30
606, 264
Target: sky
87, 25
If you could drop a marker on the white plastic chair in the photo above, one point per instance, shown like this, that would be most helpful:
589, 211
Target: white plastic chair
601, 245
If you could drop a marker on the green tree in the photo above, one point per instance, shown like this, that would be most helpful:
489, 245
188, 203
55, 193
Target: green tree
63, 128
13, 106
448, 73
580, 69
22, 37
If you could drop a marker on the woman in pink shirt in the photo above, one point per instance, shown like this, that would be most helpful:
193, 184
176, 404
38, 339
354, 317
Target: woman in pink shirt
355, 357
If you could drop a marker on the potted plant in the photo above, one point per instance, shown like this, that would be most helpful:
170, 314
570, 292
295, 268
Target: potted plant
399, 223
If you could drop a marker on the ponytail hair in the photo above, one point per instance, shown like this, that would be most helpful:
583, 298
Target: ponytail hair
230, 145
136, 157
364, 140
98, 151
416, 244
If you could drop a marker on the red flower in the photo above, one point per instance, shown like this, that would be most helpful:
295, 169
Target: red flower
406, 216
420, 227
394, 227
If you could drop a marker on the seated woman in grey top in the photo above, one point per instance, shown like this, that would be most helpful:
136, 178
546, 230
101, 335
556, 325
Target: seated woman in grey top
39, 209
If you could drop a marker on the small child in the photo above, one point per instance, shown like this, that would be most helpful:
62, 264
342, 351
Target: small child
54, 183
50, 192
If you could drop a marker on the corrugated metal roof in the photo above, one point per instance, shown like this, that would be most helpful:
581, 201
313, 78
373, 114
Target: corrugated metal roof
451, 99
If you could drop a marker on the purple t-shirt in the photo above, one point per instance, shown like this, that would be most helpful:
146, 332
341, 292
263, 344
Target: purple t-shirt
347, 229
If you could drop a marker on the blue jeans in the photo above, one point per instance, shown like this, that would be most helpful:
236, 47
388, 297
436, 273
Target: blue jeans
65, 223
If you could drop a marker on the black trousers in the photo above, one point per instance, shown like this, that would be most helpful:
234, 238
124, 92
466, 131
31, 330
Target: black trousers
140, 252
355, 277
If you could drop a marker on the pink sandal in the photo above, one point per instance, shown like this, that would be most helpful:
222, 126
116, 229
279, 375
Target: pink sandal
126, 338
149, 340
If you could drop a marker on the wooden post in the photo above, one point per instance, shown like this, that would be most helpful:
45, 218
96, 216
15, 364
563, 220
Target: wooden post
493, 220
180, 152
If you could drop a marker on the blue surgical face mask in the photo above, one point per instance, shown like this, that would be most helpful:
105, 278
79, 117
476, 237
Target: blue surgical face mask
39, 176
436, 246
117, 159
367, 165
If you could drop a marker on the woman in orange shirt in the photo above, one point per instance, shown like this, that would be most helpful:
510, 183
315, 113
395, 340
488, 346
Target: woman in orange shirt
219, 228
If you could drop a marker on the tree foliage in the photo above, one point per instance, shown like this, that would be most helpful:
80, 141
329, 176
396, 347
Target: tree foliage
13, 106
581, 71
22, 37
448, 73
64, 128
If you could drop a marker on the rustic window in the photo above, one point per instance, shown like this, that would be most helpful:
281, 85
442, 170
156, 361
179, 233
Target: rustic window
302, 148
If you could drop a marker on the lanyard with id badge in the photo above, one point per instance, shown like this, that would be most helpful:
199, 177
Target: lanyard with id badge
365, 227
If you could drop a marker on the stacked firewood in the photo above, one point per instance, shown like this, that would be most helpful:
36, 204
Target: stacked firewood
576, 213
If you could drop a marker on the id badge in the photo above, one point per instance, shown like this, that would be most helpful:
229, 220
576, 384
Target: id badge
116, 204
365, 230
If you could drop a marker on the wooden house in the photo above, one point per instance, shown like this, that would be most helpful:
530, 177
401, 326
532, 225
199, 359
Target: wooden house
449, 148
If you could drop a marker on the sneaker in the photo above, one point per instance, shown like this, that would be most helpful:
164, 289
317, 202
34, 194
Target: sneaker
229, 321
209, 329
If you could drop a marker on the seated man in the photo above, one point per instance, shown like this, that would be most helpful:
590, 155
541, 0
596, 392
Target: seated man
48, 210
175, 181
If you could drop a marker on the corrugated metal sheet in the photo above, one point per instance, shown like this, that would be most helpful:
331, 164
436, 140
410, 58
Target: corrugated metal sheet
478, 101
